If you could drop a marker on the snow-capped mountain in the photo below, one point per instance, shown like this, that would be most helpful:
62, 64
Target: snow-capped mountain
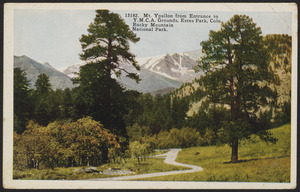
33, 69
160, 74
195, 54
176, 66
71, 70
179, 67
150, 82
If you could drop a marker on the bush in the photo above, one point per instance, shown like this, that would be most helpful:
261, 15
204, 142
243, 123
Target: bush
140, 150
283, 115
136, 132
63, 144
175, 138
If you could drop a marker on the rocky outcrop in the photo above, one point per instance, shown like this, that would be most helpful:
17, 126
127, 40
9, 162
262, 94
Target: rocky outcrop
87, 170
109, 171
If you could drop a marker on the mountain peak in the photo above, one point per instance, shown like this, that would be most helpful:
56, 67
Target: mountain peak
33, 69
22, 57
176, 66
46, 64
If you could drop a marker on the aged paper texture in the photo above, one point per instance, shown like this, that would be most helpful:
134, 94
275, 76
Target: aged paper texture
168, 50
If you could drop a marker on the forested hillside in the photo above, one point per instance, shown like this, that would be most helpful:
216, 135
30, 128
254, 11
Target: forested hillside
280, 50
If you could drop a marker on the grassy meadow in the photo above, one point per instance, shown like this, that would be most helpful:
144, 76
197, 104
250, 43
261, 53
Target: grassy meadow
259, 161
151, 165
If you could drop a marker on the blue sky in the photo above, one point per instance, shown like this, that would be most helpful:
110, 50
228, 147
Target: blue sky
53, 35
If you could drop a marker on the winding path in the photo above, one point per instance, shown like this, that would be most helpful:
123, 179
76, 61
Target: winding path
170, 159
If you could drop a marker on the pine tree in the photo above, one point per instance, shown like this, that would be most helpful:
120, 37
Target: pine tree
43, 102
22, 102
42, 85
104, 48
238, 72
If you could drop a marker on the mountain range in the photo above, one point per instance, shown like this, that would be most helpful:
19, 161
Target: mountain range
159, 74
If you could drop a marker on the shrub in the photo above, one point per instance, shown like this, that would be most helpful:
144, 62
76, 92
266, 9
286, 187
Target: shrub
140, 150
63, 144
183, 138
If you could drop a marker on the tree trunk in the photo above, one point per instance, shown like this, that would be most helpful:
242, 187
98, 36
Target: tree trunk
104, 154
107, 100
234, 104
52, 164
234, 153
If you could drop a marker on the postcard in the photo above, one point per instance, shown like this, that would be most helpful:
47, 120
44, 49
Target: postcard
150, 95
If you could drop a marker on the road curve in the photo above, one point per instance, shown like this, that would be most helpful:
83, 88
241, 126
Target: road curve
170, 159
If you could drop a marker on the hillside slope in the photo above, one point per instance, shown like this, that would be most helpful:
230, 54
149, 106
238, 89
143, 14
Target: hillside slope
281, 63
33, 69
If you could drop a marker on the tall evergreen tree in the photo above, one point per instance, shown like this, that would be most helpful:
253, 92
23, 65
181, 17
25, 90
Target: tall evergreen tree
42, 85
237, 74
22, 102
43, 102
104, 48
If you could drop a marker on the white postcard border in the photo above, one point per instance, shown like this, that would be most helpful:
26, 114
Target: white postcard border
8, 182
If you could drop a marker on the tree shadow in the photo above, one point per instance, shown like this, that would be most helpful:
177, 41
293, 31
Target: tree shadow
254, 159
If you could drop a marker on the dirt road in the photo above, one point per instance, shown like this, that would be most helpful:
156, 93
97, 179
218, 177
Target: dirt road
170, 159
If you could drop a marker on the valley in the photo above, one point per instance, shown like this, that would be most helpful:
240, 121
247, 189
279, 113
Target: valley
222, 113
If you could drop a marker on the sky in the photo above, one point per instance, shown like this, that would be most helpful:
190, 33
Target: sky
53, 35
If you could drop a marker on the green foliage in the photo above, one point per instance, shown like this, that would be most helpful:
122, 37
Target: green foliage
42, 85
283, 115
136, 149
183, 138
179, 108
175, 138
208, 121
23, 105
158, 113
50, 105
152, 165
140, 150
135, 132
279, 47
20, 159
108, 37
64, 144
90, 99
103, 49
260, 161
42, 111
238, 72
89, 96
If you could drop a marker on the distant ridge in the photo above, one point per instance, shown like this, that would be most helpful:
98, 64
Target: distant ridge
160, 74
33, 69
